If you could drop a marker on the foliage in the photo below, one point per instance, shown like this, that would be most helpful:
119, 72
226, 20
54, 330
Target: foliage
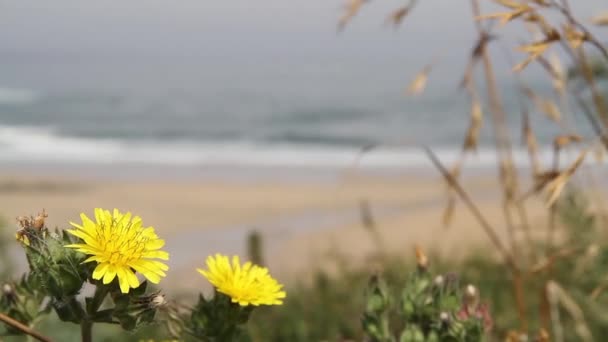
425, 308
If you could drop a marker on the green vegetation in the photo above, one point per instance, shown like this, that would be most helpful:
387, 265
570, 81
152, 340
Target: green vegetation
330, 308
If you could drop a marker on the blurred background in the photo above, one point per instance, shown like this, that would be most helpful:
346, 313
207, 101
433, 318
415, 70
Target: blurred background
213, 119
98, 97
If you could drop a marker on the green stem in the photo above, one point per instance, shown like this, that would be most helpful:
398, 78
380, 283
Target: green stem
100, 295
86, 330
86, 326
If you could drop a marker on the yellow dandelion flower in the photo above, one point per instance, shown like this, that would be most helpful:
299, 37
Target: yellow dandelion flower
248, 284
121, 246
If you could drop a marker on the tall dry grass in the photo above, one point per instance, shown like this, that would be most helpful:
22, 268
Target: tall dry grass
531, 254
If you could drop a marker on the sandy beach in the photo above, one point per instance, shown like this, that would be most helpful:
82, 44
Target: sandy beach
300, 220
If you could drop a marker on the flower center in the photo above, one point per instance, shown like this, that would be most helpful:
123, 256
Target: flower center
121, 243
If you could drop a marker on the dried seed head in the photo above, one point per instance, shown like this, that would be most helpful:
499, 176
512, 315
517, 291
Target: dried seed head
351, 8
421, 259
419, 82
158, 300
562, 140
23, 221
444, 316
397, 16
38, 222
8, 293
575, 38
543, 336
7, 289
600, 19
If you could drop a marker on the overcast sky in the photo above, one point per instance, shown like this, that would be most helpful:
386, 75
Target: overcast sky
183, 27
233, 32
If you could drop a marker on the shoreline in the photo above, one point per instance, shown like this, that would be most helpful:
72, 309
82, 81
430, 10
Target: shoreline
233, 172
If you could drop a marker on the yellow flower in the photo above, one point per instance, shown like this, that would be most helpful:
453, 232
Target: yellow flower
120, 246
247, 285
22, 237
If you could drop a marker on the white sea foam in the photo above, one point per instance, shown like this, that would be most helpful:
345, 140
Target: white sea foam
28, 144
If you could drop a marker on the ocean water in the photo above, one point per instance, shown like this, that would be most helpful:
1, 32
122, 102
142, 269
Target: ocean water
148, 82
300, 113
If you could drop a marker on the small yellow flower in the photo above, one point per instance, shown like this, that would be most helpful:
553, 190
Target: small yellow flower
120, 246
247, 285
22, 237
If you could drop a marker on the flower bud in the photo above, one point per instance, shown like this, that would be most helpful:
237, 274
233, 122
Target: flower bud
421, 259
23, 222
471, 291
158, 300
38, 222
471, 296
8, 294
439, 281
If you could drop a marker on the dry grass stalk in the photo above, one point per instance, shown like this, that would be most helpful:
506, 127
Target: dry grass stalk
502, 138
554, 181
471, 139
548, 262
564, 9
543, 105
558, 75
517, 10
559, 297
23, 328
598, 99
599, 151
554, 187
561, 141
448, 212
369, 223
464, 196
600, 19
535, 50
531, 144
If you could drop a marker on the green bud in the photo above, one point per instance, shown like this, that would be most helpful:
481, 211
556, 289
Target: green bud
377, 298
407, 335
408, 308
418, 335
376, 303
421, 285
432, 337
457, 329
412, 333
